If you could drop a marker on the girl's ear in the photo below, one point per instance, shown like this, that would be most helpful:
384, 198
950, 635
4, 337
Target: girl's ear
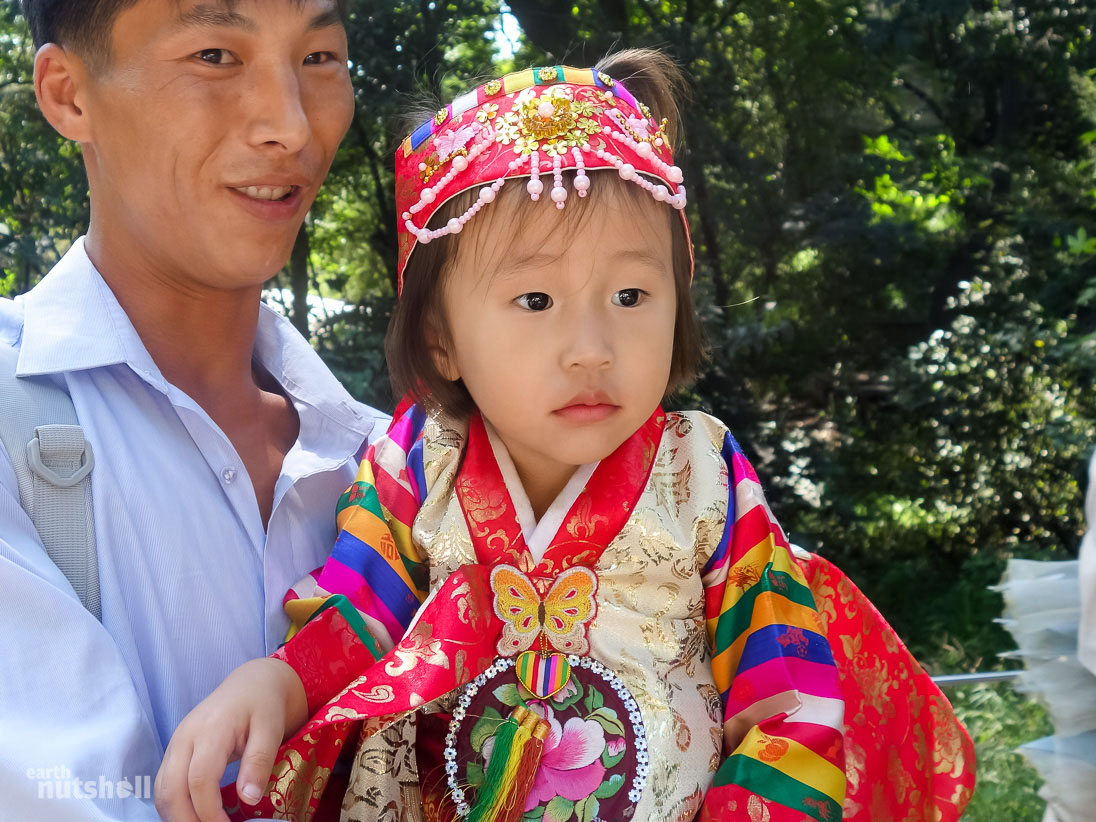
444, 362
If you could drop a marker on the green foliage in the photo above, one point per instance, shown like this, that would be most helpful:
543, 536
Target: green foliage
43, 189
999, 720
892, 206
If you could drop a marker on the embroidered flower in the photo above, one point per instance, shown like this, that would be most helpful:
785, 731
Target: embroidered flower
453, 141
488, 111
615, 745
570, 765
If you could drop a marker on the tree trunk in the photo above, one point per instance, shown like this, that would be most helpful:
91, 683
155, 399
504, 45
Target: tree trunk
298, 281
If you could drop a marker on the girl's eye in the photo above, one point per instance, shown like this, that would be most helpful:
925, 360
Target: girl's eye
534, 301
216, 57
317, 58
628, 297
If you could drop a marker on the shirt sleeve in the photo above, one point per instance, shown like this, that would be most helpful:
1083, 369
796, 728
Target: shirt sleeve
367, 593
77, 744
783, 711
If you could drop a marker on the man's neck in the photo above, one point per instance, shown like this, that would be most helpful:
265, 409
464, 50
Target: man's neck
200, 338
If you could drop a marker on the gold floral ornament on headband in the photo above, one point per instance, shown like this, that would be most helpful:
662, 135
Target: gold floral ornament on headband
539, 121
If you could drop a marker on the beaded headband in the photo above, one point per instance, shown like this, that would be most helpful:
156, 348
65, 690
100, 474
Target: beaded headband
534, 122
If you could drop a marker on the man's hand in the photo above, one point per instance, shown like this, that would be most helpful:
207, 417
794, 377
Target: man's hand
247, 717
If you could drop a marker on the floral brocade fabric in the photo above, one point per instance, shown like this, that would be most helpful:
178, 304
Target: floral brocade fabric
650, 626
908, 758
808, 687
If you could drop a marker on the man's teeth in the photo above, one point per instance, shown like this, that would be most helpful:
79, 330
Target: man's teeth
266, 192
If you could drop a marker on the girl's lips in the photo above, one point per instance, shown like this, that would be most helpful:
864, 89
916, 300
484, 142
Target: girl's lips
587, 413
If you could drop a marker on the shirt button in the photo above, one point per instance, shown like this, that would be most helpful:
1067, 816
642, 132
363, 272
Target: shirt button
228, 475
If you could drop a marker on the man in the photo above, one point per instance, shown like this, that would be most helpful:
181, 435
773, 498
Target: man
221, 441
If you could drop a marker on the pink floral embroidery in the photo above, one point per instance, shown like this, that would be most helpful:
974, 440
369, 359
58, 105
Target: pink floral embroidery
571, 763
615, 745
451, 141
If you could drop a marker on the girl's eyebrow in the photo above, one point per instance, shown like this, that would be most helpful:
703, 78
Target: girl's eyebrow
512, 266
643, 256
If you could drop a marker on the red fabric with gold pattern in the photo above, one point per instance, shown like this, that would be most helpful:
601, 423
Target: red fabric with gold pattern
591, 523
452, 642
908, 758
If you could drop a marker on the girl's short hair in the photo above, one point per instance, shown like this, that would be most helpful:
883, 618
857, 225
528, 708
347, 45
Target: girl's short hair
419, 323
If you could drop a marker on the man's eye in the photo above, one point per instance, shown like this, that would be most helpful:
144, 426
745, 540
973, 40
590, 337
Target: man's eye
628, 297
318, 58
216, 57
534, 301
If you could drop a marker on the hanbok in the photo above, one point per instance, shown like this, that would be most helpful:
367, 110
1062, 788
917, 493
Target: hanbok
676, 658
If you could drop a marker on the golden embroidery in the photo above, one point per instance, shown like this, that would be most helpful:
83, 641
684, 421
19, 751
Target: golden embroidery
378, 693
492, 87
548, 75
418, 646
441, 116
293, 784
755, 807
570, 124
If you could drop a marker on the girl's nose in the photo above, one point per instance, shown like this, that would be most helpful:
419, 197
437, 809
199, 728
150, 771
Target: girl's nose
589, 346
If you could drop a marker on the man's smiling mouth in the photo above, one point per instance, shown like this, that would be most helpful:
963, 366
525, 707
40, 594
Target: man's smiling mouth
266, 192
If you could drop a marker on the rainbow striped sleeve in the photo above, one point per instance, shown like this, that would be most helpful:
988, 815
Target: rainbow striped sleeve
783, 713
373, 563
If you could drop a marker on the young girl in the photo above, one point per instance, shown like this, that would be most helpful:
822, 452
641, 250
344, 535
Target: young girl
550, 599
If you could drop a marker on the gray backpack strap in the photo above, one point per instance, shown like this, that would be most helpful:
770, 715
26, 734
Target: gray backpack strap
52, 462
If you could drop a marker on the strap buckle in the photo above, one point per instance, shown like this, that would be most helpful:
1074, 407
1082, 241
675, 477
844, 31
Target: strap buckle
34, 459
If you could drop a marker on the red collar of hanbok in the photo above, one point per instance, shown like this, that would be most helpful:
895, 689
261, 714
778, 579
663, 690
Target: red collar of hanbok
595, 518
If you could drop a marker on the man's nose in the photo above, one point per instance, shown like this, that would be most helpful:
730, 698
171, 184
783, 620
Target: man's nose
277, 111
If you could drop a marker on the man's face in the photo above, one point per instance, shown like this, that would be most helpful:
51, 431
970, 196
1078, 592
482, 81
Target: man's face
212, 128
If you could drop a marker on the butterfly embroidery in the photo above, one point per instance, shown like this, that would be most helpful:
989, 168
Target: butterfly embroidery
562, 616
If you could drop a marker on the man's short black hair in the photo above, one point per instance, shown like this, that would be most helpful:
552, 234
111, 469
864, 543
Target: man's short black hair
85, 25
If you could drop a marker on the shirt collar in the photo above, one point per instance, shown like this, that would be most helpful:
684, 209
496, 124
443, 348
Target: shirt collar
73, 322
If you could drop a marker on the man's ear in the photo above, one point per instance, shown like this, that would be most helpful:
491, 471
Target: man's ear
60, 79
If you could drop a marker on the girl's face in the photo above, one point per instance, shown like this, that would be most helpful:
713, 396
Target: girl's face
562, 330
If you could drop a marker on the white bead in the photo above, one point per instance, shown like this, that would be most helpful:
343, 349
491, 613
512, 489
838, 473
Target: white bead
659, 142
534, 187
486, 195
460, 163
627, 172
662, 194
644, 150
582, 182
422, 166
559, 194
454, 226
546, 109
675, 175
427, 195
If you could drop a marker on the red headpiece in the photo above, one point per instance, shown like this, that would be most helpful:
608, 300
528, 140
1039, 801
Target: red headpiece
531, 123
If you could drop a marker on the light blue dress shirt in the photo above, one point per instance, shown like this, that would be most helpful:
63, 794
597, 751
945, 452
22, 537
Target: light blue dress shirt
190, 582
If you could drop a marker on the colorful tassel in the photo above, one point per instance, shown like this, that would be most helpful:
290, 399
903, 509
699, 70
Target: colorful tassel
514, 807
519, 742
